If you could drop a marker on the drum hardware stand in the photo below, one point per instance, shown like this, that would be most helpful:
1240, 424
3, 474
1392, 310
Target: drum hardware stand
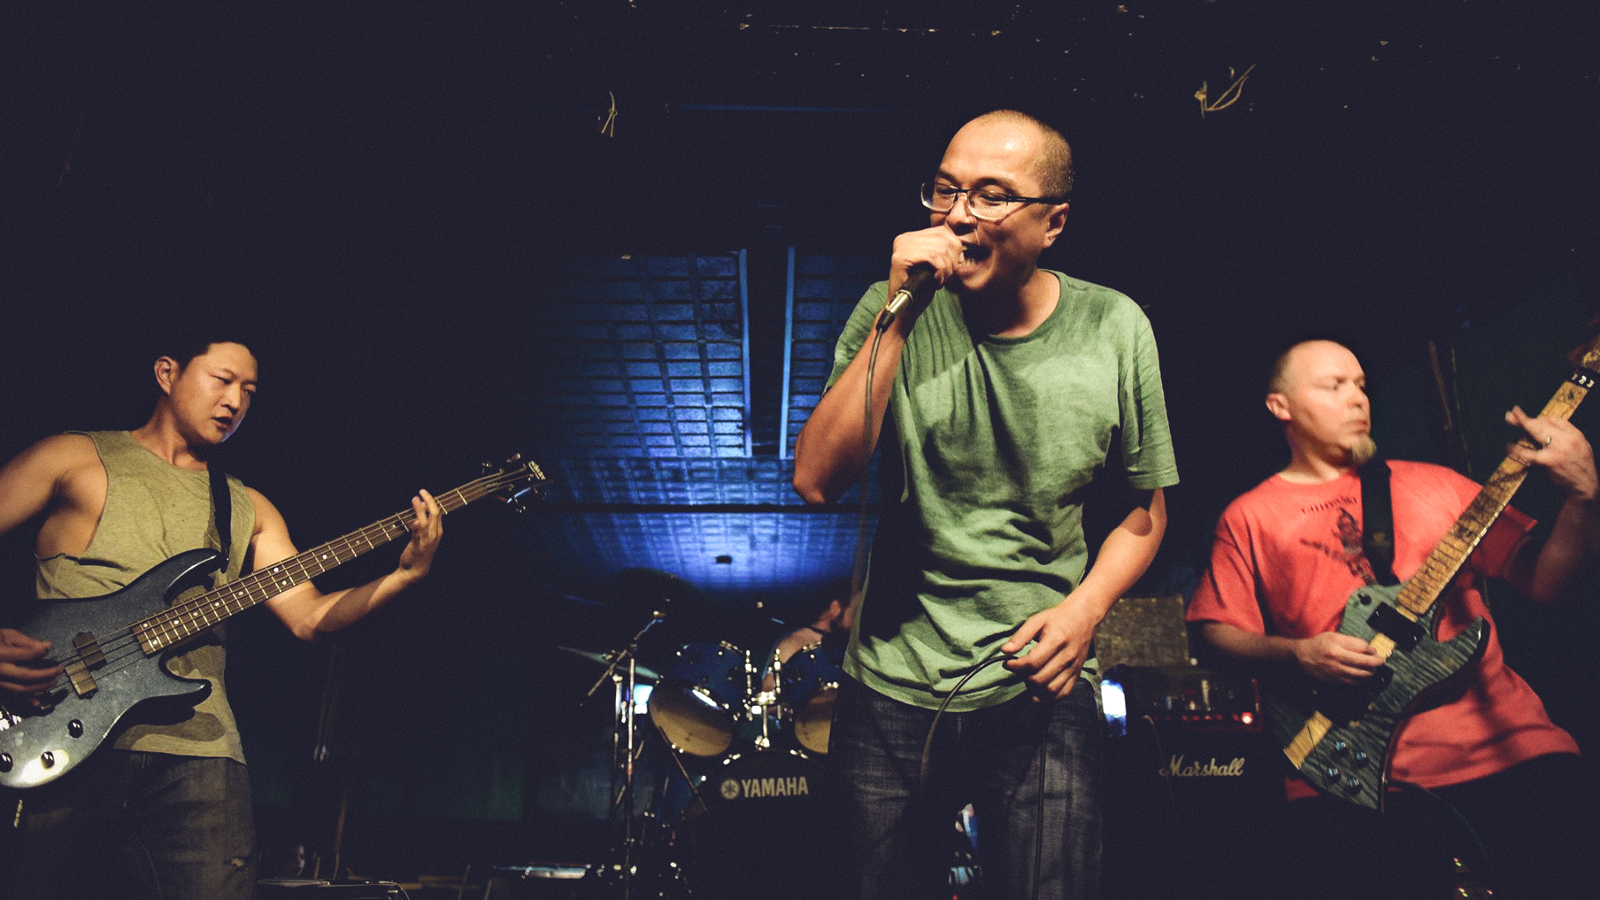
677, 760
763, 700
624, 747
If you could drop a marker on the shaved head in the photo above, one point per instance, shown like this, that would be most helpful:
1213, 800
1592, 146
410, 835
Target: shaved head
1054, 163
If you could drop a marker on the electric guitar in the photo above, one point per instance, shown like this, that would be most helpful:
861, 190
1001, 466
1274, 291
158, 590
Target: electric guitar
114, 648
1339, 736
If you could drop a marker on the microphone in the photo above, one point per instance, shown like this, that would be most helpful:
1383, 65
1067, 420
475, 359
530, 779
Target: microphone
920, 279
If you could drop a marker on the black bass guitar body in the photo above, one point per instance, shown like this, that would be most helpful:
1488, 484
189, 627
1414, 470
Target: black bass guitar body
113, 649
108, 672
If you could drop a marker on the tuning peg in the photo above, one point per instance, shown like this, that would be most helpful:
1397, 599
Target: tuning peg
514, 461
518, 479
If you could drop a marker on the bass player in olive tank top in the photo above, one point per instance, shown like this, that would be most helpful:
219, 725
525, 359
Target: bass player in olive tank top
164, 810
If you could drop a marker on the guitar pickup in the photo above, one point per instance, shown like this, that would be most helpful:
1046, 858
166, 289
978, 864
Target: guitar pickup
1403, 631
90, 656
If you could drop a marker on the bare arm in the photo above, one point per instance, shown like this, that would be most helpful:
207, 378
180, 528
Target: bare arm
830, 452
1063, 632
307, 611
30, 481
1565, 455
56, 475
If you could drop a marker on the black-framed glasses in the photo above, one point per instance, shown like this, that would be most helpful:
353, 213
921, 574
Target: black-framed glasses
988, 204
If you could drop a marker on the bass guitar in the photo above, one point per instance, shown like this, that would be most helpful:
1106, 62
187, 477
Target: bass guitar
1339, 736
114, 648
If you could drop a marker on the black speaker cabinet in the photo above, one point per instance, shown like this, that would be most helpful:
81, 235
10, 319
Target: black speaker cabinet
1189, 810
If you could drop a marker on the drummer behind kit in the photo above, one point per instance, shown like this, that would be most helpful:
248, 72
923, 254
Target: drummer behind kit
746, 808
760, 816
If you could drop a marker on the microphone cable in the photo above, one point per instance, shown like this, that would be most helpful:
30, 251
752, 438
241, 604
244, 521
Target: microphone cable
858, 584
858, 566
995, 656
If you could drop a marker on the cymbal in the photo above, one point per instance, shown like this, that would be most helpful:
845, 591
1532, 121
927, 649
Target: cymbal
643, 673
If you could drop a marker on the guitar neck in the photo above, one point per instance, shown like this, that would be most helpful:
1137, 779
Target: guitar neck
1424, 588
185, 620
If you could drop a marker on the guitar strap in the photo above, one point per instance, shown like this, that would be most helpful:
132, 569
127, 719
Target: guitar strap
222, 510
1377, 520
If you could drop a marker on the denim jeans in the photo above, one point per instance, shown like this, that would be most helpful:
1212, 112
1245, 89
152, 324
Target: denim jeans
138, 825
900, 829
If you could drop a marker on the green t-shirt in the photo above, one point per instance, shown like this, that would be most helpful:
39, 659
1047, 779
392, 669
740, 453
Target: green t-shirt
987, 449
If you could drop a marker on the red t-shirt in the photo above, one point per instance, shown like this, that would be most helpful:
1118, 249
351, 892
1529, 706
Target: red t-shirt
1295, 551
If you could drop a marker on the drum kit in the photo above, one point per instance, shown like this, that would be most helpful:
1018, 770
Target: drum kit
713, 691
746, 794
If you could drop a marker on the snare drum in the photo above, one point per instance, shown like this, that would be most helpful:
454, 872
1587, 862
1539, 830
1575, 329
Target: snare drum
810, 685
698, 702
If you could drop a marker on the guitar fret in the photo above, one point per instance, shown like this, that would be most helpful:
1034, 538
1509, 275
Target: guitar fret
1326, 737
170, 626
192, 617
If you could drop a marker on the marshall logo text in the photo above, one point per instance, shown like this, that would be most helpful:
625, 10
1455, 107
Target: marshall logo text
1211, 769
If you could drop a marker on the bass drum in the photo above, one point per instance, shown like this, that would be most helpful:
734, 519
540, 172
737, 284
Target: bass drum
697, 704
769, 828
810, 685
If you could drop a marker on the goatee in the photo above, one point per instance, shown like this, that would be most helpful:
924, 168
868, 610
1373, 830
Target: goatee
1364, 450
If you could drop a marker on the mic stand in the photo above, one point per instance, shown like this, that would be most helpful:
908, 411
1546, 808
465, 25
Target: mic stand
625, 654
623, 753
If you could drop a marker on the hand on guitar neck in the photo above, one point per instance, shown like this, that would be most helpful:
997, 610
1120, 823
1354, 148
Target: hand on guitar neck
112, 649
1557, 446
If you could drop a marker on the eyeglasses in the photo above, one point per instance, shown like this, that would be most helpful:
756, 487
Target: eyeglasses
986, 204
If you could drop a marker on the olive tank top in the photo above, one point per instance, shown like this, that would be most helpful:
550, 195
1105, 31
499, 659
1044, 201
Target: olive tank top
154, 511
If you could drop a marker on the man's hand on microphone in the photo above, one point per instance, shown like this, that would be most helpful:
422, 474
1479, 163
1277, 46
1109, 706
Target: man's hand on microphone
937, 247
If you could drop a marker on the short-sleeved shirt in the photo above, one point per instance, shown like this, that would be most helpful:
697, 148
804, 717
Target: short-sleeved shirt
988, 446
1285, 557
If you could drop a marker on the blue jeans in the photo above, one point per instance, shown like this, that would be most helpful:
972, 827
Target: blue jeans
138, 825
899, 830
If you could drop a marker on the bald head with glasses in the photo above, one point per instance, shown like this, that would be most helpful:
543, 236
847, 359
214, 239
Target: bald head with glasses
997, 200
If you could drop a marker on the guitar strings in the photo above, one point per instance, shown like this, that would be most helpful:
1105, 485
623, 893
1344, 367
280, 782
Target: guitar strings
122, 647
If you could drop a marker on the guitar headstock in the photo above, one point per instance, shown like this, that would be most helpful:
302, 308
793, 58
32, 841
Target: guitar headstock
1587, 355
514, 480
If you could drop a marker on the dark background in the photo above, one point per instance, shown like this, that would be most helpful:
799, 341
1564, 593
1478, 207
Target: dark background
414, 209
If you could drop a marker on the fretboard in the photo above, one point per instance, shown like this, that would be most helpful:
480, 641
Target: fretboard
1424, 588
184, 620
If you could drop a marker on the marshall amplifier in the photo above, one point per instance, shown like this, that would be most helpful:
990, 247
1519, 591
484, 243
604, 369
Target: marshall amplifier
1193, 787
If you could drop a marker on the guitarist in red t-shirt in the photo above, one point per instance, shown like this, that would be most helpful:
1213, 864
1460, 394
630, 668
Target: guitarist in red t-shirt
1475, 748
